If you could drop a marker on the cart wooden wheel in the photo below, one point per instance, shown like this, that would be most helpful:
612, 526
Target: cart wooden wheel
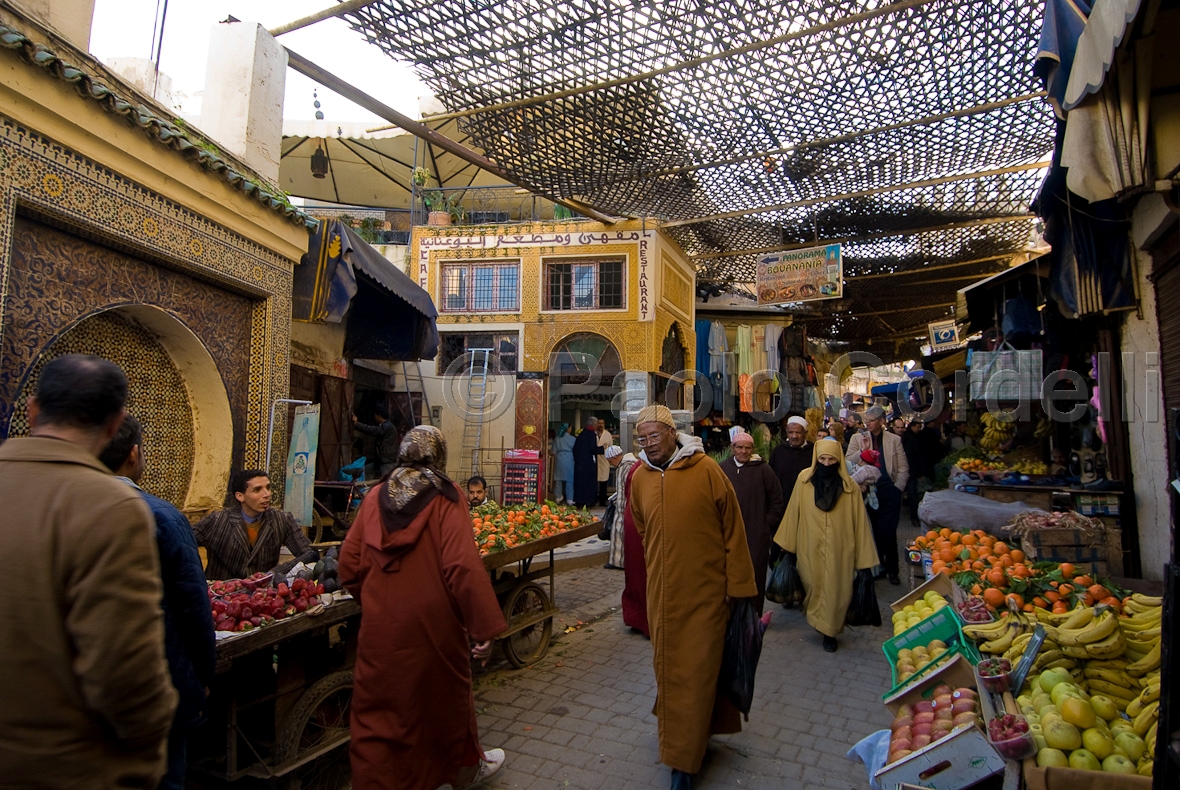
318, 723
315, 533
523, 610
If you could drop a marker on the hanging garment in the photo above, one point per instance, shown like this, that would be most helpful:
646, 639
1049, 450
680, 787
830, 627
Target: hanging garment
759, 347
773, 333
746, 393
718, 348
743, 349
702, 360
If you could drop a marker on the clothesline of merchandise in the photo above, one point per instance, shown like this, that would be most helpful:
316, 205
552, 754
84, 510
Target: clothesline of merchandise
729, 369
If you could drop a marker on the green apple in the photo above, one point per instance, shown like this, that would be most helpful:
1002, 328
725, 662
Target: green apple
1060, 734
1117, 764
1104, 707
1084, 760
1097, 742
1052, 758
1119, 726
1051, 677
1132, 744
1063, 690
1077, 712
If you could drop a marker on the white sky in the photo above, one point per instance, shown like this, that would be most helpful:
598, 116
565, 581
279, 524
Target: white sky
123, 28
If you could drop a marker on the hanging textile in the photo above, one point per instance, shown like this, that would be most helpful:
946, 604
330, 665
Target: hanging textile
718, 348
746, 393
702, 360
743, 348
773, 332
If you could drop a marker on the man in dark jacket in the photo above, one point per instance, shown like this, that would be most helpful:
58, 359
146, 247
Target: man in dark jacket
760, 498
586, 450
923, 449
244, 538
189, 644
388, 442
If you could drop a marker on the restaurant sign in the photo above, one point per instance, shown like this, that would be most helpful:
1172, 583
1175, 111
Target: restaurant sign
800, 275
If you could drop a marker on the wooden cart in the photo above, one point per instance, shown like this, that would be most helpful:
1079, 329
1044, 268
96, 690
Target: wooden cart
528, 609
279, 705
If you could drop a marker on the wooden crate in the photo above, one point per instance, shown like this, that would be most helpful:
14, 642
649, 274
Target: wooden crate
1089, 552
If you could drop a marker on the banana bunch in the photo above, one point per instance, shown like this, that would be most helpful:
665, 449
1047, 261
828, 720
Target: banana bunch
1044, 428
1086, 634
995, 432
998, 637
1142, 631
1030, 467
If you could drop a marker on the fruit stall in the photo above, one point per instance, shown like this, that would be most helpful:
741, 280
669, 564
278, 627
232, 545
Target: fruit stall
278, 707
1035, 668
509, 538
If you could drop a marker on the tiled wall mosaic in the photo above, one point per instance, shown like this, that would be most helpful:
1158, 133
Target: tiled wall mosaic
156, 395
207, 275
57, 279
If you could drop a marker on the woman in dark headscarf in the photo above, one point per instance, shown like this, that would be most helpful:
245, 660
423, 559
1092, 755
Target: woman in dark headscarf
826, 527
410, 562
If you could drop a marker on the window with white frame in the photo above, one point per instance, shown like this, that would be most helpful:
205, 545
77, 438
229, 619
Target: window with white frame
584, 284
491, 287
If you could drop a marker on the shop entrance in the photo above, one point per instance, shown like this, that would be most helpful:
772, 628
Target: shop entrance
583, 370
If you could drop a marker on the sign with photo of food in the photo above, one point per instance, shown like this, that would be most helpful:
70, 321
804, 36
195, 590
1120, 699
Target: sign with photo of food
800, 275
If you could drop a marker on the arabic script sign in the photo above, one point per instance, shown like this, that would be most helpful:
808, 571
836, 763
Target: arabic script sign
800, 275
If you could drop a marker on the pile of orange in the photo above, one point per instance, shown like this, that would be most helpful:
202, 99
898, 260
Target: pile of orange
988, 567
980, 465
975, 551
497, 528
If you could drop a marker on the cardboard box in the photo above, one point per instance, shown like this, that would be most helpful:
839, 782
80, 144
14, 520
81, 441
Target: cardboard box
941, 583
959, 760
1072, 779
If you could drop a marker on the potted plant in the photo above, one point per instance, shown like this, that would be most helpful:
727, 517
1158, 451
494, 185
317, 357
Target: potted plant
443, 209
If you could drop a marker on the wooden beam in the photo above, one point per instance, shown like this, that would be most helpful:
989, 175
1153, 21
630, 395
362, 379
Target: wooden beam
835, 24
928, 182
885, 234
830, 316
319, 16
424, 132
844, 138
925, 269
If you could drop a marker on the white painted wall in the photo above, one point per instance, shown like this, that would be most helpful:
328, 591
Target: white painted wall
243, 103
71, 18
1146, 426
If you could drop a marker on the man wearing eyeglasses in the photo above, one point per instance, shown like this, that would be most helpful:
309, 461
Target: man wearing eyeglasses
697, 559
895, 473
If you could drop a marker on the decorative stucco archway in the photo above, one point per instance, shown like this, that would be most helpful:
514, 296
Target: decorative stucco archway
175, 390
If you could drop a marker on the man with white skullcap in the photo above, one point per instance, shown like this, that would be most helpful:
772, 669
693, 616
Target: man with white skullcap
792, 456
694, 542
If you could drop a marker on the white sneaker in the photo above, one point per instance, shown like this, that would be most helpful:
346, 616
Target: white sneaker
489, 766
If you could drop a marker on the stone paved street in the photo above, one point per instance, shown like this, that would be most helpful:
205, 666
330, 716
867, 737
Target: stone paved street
581, 717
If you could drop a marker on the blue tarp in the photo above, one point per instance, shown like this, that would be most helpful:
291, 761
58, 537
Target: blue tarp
1064, 22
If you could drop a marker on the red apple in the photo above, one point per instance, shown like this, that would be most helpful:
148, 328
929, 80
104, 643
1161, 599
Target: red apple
902, 733
941, 728
924, 716
894, 756
963, 706
921, 729
905, 710
943, 714
923, 707
964, 694
901, 721
943, 700
942, 688
920, 741
969, 717
899, 744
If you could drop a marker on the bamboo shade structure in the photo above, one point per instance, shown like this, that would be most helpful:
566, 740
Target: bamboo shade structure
913, 130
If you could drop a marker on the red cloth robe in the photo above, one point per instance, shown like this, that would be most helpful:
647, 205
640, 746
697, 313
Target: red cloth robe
634, 569
424, 595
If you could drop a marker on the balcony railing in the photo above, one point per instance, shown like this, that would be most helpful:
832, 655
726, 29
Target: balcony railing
485, 205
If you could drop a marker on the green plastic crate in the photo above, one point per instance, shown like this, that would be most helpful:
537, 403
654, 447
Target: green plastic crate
943, 625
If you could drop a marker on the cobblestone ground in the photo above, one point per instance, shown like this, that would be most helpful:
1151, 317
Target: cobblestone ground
581, 717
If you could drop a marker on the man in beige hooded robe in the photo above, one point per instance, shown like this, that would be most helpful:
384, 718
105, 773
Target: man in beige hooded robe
694, 543
826, 527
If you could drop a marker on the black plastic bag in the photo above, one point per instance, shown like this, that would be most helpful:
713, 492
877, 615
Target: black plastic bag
739, 661
608, 522
863, 610
784, 585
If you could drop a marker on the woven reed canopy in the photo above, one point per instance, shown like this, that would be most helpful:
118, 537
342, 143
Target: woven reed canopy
911, 131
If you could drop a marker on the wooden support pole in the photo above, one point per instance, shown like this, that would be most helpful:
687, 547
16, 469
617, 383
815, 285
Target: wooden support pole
885, 234
928, 182
424, 132
319, 16
925, 269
